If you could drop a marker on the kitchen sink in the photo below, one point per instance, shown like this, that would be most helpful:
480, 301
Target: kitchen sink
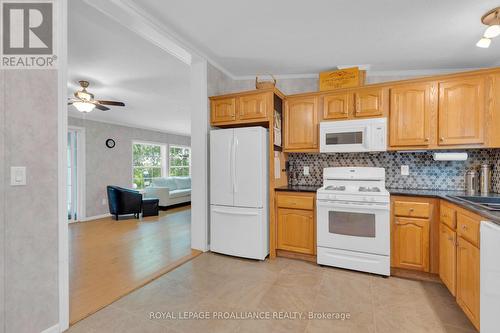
489, 203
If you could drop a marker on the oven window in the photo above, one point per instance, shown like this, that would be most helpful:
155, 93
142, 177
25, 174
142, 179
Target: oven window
351, 224
347, 138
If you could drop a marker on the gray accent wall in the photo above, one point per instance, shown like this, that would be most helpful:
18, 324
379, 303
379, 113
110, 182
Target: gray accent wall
29, 217
105, 166
2, 205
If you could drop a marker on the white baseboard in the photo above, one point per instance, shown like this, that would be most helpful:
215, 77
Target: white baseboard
96, 217
52, 329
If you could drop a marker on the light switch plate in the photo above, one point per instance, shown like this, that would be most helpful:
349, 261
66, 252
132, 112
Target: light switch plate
306, 171
18, 176
405, 170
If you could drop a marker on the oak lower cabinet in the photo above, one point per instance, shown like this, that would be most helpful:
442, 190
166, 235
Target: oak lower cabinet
448, 257
411, 243
301, 124
468, 279
413, 108
296, 227
459, 257
462, 111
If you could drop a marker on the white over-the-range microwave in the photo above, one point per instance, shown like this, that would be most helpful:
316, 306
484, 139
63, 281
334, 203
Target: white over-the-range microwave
361, 135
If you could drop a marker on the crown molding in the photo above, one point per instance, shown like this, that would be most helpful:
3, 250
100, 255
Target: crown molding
80, 116
136, 19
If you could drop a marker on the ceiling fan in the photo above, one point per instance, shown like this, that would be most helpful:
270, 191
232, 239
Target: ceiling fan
85, 102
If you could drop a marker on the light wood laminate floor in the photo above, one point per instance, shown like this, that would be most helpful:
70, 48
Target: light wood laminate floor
109, 259
217, 283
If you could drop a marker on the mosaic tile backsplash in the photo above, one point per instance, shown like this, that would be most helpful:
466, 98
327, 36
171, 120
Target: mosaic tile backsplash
425, 173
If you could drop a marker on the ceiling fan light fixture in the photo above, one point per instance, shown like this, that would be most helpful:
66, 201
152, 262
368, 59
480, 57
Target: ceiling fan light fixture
84, 107
492, 31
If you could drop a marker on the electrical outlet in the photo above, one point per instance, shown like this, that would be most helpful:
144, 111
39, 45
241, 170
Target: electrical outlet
306, 171
405, 170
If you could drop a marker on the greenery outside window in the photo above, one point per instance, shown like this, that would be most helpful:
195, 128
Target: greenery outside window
148, 162
179, 161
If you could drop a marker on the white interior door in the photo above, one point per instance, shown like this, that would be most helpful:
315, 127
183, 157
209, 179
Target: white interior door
250, 166
222, 167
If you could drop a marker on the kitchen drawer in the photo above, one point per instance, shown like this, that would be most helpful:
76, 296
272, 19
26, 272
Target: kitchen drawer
412, 209
468, 228
448, 216
296, 201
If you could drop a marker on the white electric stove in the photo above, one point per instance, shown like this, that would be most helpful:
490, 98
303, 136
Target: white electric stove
353, 222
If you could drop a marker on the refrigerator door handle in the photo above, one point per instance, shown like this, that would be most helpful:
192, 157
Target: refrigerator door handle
235, 147
221, 211
231, 163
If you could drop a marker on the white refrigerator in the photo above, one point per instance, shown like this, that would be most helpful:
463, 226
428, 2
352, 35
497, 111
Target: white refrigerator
239, 220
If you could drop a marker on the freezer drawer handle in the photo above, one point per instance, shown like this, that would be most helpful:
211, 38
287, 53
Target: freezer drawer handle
232, 213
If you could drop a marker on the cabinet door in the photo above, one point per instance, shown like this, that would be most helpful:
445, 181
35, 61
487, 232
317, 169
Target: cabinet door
411, 110
296, 230
371, 102
253, 107
338, 106
448, 257
461, 111
223, 110
468, 280
411, 243
301, 124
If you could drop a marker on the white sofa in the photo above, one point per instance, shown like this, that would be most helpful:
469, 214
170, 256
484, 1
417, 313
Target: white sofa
170, 190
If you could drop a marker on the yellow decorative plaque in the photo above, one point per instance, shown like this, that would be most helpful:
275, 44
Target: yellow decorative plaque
342, 78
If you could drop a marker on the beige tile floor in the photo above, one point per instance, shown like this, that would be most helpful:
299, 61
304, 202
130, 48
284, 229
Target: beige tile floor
212, 282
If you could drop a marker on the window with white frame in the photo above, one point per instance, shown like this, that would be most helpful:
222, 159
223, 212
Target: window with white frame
179, 160
149, 161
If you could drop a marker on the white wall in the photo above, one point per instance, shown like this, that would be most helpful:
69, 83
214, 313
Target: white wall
30, 217
2, 206
105, 166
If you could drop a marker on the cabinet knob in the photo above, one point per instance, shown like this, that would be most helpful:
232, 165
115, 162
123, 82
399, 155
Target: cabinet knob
464, 227
426, 139
412, 209
441, 139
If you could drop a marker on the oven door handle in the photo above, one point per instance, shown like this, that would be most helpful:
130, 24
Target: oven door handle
367, 206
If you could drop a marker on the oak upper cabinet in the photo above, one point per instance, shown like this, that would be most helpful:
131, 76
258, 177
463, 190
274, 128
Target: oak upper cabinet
371, 102
301, 124
338, 106
413, 109
448, 257
411, 243
468, 280
296, 227
253, 106
462, 111
223, 110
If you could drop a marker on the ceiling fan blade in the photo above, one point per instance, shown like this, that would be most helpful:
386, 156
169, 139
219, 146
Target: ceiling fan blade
114, 103
101, 107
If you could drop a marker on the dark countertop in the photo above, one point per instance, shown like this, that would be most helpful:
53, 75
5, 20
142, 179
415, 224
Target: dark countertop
493, 216
298, 188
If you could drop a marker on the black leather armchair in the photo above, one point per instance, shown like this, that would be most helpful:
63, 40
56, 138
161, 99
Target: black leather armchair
123, 201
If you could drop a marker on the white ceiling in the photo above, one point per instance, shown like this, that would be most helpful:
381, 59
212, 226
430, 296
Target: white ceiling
122, 66
298, 37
